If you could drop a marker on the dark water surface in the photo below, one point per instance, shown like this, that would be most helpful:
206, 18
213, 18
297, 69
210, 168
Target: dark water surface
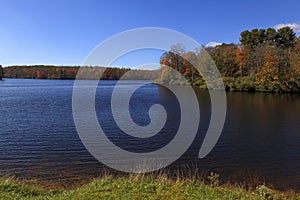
38, 138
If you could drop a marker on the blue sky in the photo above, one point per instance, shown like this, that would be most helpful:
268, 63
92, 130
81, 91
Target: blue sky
63, 32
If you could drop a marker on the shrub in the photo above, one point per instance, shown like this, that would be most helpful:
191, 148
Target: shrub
264, 191
214, 179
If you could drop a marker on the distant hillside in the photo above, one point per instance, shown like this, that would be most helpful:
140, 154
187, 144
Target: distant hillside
70, 72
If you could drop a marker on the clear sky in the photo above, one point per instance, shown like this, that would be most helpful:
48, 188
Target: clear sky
63, 32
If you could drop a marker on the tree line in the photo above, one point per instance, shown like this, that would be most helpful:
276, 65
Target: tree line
1, 72
265, 60
70, 72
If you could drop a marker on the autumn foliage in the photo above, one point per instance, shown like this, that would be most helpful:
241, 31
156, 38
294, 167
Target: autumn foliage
265, 60
66, 72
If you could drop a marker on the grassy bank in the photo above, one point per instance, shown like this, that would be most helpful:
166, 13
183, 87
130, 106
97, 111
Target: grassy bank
140, 187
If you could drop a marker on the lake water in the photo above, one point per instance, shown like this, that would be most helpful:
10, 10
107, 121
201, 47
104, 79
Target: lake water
38, 138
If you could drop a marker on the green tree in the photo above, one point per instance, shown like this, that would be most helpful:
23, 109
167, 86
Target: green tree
253, 38
245, 38
286, 38
271, 36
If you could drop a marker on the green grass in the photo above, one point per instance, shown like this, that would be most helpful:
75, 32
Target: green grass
139, 187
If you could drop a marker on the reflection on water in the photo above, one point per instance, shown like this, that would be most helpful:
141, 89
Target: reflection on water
38, 138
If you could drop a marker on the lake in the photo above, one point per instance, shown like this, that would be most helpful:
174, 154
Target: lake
38, 138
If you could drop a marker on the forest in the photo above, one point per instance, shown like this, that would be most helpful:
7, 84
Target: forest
266, 60
70, 72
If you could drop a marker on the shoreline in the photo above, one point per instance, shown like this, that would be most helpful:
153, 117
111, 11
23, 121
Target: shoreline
143, 187
158, 82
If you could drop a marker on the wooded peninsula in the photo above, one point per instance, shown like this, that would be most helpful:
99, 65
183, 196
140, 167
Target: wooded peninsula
266, 60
